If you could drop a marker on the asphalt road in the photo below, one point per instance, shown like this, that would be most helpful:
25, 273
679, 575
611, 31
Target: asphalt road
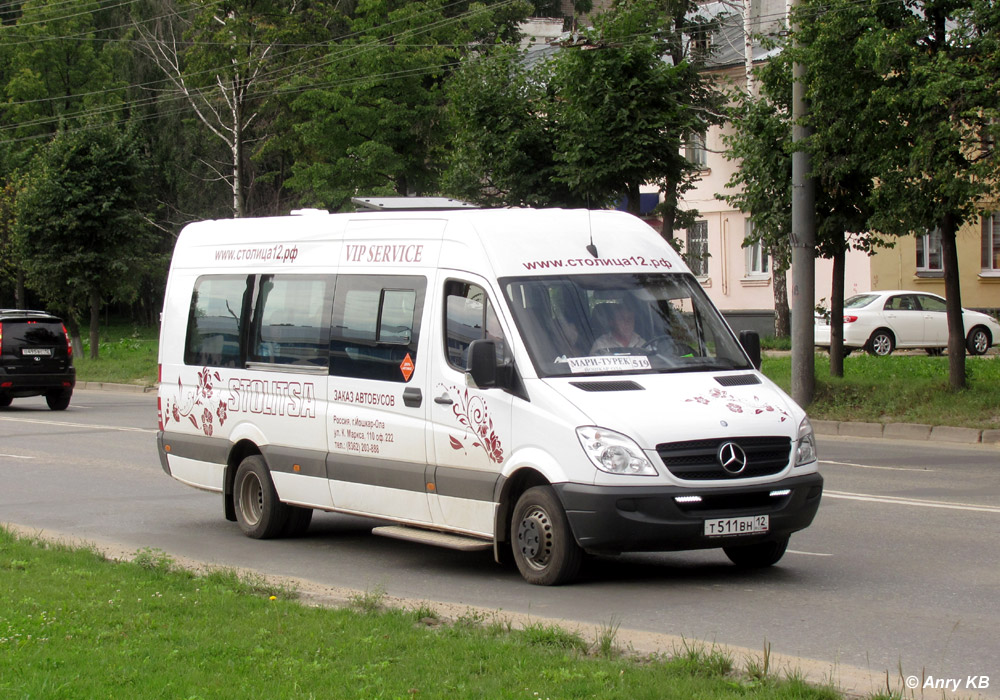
900, 570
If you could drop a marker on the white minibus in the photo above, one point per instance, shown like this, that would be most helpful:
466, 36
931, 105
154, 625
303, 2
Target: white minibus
545, 383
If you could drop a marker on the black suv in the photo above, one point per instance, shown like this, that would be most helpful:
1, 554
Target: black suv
35, 358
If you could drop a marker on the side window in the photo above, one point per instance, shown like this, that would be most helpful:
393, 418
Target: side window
469, 315
216, 320
290, 320
376, 326
929, 303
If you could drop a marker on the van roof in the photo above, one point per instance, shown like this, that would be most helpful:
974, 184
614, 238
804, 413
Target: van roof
493, 242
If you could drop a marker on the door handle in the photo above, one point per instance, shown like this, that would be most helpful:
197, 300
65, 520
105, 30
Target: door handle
443, 399
412, 397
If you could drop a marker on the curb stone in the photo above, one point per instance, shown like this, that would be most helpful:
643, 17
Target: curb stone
110, 386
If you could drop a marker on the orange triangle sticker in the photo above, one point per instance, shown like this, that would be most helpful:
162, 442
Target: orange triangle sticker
406, 367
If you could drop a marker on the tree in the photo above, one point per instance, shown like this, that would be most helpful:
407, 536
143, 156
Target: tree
377, 125
81, 228
504, 136
923, 78
605, 114
224, 59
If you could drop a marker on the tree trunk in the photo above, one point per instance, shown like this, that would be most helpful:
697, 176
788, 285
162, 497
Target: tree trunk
953, 297
95, 322
74, 333
782, 317
837, 314
238, 201
634, 205
19, 291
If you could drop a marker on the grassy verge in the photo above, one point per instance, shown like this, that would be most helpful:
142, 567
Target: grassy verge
126, 355
76, 625
900, 388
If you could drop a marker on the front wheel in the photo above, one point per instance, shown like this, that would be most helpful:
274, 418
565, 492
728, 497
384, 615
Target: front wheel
881, 343
544, 549
258, 511
757, 556
979, 341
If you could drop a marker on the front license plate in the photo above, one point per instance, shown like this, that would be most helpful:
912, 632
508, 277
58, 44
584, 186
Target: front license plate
750, 525
46, 352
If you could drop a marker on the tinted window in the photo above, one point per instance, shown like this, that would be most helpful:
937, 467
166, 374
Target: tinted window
19, 333
469, 315
903, 302
290, 320
376, 326
859, 301
219, 307
929, 303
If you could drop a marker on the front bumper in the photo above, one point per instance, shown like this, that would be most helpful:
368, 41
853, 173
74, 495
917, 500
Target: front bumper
629, 519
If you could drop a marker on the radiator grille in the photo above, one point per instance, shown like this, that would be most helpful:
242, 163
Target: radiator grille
699, 459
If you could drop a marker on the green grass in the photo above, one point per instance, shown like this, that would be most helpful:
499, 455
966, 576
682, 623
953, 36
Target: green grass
76, 625
900, 388
126, 355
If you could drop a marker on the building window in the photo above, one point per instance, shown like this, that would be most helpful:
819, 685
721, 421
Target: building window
695, 150
756, 254
929, 256
991, 243
697, 248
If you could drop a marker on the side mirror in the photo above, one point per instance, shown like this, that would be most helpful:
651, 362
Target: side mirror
483, 363
750, 340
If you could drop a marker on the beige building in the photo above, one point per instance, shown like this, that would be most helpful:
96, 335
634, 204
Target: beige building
739, 279
916, 263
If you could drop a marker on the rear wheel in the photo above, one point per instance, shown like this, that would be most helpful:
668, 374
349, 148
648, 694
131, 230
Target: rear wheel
881, 343
58, 400
978, 341
258, 511
544, 548
5, 400
757, 556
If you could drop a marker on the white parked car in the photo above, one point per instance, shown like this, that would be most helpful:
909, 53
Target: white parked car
882, 321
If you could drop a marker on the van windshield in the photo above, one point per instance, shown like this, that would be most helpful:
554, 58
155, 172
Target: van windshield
620, 323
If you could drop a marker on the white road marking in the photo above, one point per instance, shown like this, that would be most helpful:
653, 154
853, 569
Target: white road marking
870, 466
16, 456
95, 426
808, 554
919, 502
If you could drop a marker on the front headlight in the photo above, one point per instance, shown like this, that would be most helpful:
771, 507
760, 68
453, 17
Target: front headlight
805, 444
613, 452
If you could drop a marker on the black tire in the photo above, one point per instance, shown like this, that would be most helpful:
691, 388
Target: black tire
58, 400
5, 400
545, 551
258, 511
298, 521
881, 343
757, 556
978, 341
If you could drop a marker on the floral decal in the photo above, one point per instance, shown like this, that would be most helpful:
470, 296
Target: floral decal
739, 404
196, 405
472, 413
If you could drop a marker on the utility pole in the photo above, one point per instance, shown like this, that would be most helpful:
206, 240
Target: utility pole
803, 245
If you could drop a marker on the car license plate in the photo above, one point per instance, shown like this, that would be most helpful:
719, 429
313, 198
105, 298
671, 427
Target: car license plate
45, 352
750, 525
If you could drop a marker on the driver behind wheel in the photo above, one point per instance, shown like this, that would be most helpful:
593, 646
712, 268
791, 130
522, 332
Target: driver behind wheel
622, 332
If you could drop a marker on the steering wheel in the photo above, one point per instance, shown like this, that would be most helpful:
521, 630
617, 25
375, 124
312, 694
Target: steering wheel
677, 349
